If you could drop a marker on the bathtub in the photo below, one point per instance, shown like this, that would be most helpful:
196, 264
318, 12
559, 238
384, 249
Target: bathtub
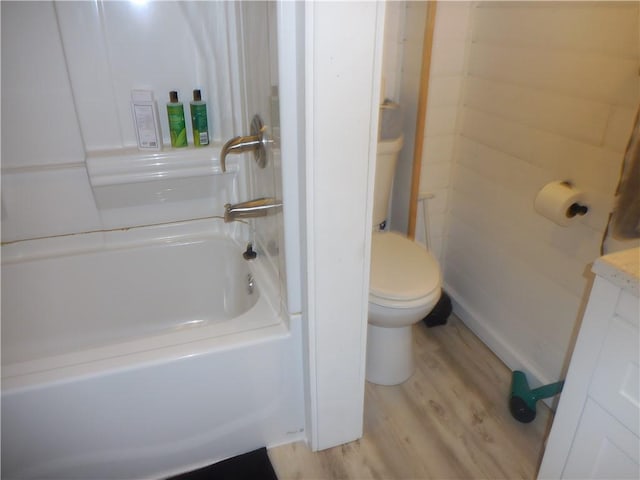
143, 353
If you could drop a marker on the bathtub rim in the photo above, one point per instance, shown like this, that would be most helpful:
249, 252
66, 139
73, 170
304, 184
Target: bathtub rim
94, 241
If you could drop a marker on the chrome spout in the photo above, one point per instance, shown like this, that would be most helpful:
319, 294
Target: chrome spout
256, 142
238, 145
259, 207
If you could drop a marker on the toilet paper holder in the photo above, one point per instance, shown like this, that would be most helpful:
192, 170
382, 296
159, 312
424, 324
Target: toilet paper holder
575, 208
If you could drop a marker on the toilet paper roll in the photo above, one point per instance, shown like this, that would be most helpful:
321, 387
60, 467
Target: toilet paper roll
557, 201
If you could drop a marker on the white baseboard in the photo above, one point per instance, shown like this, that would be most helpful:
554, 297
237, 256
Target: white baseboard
497, 343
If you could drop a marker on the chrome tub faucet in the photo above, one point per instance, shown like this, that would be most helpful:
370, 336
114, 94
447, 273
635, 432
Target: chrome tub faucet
259, 207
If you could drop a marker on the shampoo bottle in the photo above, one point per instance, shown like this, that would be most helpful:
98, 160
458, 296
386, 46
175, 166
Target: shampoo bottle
199, 120
177, 126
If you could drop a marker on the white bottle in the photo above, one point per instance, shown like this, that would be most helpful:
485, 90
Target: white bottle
146, 120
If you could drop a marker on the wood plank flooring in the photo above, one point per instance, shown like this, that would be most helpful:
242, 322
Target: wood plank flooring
450, 420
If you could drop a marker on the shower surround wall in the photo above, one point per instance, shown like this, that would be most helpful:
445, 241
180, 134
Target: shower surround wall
68, 69
550, 92
69, 96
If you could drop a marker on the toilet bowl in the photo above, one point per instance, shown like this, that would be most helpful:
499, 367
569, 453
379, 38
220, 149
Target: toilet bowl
405, 284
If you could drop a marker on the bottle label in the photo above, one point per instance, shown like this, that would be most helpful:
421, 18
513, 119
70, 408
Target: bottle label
199, 124
145, 125
177, 127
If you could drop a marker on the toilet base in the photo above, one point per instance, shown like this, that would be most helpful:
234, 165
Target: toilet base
389, 355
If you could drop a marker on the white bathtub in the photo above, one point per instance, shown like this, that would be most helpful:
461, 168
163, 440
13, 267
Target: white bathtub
142, 353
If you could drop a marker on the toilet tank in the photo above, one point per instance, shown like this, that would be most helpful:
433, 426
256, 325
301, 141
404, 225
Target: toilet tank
386, 159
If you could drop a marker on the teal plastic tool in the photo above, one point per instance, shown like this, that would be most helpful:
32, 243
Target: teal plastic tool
522, 401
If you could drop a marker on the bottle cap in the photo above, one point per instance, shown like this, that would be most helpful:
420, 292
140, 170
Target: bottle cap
197, 96
173, 96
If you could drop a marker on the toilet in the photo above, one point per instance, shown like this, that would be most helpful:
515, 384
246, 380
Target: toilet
405, 284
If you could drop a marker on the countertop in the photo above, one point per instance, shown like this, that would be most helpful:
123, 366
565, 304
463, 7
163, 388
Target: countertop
621, 268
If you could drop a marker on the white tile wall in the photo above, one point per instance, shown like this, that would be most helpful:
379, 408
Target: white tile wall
549, 92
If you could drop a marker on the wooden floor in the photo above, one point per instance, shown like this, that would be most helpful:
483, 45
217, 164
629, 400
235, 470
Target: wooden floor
450, 420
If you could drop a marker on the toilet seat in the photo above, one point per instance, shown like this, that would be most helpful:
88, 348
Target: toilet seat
403, 274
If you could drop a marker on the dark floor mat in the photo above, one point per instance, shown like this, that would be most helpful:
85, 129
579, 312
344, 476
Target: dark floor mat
440, 313
248, 466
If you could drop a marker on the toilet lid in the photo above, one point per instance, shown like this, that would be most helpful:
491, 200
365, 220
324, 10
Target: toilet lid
401, 269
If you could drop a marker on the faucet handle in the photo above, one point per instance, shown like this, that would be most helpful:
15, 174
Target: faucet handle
256, 142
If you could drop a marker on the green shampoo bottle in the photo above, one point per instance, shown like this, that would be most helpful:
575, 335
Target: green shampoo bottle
177, 126
199, 120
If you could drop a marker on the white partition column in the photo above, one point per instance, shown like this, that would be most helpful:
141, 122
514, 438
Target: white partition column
343, 50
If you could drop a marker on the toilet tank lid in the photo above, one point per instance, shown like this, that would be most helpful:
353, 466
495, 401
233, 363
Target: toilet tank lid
401, 269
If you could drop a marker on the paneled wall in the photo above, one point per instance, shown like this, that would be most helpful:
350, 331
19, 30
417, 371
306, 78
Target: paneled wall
450, 38
404, 37
550, 91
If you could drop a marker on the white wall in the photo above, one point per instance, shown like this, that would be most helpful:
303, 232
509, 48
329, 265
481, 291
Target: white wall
404, 37
394, 21
412, 35
40, 126
550, 91
69, 68
450, 39
42, 148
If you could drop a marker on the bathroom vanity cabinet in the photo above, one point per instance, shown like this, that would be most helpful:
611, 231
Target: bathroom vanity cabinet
595, 433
